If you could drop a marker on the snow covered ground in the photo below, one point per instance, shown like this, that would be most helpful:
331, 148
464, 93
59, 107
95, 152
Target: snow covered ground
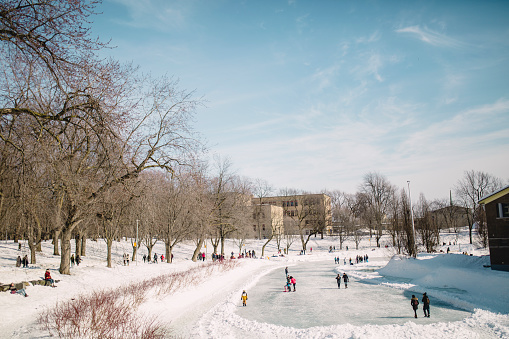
468, 300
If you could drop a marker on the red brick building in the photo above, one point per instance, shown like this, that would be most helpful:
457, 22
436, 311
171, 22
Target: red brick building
496, 206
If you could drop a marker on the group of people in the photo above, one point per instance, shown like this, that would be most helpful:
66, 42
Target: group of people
155, 258
76, 260
345, 279
201, 256
21, 290
22, 261
126, 259
290, 281
337, 260
425, 304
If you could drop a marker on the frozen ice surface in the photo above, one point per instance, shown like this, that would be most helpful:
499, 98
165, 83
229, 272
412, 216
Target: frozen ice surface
318, 301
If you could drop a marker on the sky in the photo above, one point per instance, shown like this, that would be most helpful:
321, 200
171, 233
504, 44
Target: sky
313, 95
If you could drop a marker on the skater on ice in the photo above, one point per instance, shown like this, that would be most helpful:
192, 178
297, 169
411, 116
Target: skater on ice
243, 297
338, 279
345, 280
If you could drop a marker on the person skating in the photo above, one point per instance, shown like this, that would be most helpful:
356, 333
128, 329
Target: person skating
338, 279
293, 282
415, 305
243, 297
345, 280
288, 286
425, 304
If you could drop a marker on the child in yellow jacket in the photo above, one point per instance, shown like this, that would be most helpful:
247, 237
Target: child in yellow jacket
244, 298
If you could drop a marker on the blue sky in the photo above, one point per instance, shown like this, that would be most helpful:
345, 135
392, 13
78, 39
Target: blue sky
313, 95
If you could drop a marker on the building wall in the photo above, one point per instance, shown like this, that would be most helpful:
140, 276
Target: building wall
269, 218
498, 233
292, 207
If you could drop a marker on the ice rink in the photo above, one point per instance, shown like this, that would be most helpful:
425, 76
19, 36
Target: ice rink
319, 302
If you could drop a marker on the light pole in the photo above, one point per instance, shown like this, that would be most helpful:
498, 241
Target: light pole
412, 216
137, 245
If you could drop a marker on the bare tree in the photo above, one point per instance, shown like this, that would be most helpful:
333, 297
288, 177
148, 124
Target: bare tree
470, 189
112, 209
231, 196
426, 225
379, 190
261, 189
407, 234
276, 225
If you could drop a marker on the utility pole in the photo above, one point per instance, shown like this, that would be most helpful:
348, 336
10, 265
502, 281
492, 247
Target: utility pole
137, 245
412, 216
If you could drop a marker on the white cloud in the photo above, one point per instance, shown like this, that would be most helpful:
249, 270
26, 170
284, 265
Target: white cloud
369, 39
431, 37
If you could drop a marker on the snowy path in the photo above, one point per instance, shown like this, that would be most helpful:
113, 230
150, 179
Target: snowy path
318, 301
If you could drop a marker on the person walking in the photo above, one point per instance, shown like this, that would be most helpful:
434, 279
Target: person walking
286, 271
293, 282
338, 279
72, 260
345, 280
415, 304
425, 304
243, 297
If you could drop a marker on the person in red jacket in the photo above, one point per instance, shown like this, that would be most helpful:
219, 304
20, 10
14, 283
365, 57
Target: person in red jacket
47, 277
293, 282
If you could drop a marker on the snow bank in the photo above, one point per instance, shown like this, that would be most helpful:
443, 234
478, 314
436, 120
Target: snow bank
459, 279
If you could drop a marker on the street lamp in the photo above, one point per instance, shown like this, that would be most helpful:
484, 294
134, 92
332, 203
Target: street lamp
137, 244
412, 216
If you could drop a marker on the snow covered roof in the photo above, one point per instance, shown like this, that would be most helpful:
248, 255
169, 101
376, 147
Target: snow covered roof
495, 195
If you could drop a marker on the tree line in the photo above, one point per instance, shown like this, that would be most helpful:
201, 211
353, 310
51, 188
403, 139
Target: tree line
380, 208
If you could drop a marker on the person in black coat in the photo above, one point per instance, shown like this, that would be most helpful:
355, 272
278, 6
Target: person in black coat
425, 304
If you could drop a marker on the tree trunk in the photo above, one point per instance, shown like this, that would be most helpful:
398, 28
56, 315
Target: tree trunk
56, 236
197, 249
167, 252
77, 241
263, 247
222, 245
303, 242
65, 252
83, 245
149, 249
109, 244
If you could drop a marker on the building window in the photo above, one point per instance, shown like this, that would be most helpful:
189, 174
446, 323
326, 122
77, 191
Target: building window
296, 204
502, 210
291, 203
254, 228
263, 227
